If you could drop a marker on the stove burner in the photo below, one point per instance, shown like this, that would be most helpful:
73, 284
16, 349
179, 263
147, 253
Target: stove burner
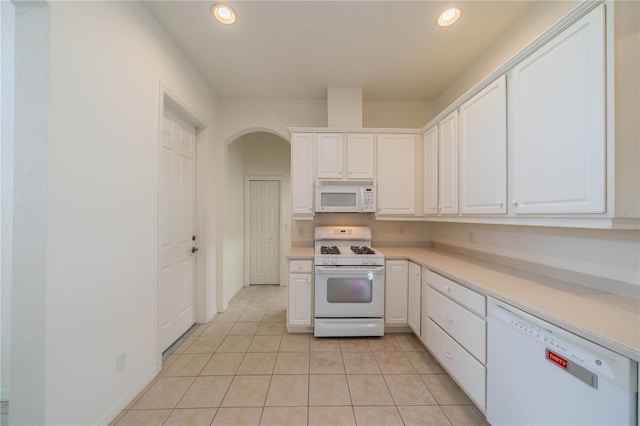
329, 250
362, 250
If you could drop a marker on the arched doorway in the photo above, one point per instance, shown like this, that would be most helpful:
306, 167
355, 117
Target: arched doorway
259, 159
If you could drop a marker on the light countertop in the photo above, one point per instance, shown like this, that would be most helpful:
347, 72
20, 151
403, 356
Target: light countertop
607, 319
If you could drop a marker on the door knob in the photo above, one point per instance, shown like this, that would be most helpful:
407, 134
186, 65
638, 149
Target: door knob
194, 249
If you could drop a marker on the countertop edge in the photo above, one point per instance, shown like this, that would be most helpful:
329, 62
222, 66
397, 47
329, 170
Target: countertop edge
410, 253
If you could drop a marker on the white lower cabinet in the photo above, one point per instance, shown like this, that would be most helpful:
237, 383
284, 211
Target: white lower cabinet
300, 304
456, 333
396, 292
414, 300
470, 374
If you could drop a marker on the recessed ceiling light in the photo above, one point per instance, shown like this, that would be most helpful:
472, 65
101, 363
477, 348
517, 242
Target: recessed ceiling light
224, 13
449, 17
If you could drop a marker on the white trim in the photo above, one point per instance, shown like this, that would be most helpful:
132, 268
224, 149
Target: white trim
247, 220
167, 98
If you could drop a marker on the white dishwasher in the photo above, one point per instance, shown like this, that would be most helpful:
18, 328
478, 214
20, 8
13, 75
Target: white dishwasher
539, 374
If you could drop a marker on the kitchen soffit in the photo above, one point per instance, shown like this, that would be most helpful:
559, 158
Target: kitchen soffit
393, 50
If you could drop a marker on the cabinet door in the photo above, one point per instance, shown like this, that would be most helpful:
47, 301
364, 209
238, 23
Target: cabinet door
414, 301
396, 291
396, 174
483, 151
431, 171
360, 156
448, 164
558, 122
300, 299
329, 155
302, 189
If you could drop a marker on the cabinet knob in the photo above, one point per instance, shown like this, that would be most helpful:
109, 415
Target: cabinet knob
514, 202
500, 204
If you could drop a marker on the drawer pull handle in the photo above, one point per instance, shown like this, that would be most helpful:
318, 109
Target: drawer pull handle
447, 354
447, 288
447, 317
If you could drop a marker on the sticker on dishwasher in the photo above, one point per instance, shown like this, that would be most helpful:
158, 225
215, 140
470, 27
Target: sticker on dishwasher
557, 359
573, 368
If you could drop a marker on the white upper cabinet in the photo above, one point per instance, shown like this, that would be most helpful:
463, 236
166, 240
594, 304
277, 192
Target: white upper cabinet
360, 156
330, 156
302, 160
448, 164
557, 113
396, 174
483, 151
430, 162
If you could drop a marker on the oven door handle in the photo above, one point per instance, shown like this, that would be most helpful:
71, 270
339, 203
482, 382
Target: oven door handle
349, 270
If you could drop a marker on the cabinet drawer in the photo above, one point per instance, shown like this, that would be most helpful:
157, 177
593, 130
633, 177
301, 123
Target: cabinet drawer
466, 328
468, 298
468, 372
300, 266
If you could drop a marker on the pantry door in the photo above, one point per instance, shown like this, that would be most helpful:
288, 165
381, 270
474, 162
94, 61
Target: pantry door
264, 231
177, 227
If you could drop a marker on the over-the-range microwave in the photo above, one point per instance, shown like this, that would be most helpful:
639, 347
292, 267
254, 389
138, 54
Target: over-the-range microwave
345, 196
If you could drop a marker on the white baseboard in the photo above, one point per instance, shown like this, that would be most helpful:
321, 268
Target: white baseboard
117, 408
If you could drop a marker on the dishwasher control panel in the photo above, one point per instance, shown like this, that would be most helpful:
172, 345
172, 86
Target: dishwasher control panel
576, 355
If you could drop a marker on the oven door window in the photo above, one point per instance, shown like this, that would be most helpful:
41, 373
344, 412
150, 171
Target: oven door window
350, 290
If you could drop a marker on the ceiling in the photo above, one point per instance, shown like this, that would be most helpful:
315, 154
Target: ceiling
393, 50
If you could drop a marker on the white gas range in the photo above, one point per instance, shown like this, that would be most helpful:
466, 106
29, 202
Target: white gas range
349, 283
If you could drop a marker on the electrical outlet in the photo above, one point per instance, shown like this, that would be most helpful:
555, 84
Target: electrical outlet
121, 362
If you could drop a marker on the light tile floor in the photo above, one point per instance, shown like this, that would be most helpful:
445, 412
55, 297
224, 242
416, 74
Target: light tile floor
243, 368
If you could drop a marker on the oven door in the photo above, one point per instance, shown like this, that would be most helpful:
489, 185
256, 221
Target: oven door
349, 292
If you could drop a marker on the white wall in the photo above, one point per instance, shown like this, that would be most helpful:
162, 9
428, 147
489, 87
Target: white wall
7, 28
99, 285
29, 226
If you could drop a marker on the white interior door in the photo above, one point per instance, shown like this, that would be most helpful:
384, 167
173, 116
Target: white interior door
177, 228
264, 231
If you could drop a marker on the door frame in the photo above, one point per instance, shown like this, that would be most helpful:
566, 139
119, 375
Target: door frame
167, 100
247, 223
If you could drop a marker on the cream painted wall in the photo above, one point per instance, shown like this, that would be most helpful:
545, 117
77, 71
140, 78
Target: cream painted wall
397, 114
536, 21
383, 232
627, 107
603, 253
233, 248
99, 282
